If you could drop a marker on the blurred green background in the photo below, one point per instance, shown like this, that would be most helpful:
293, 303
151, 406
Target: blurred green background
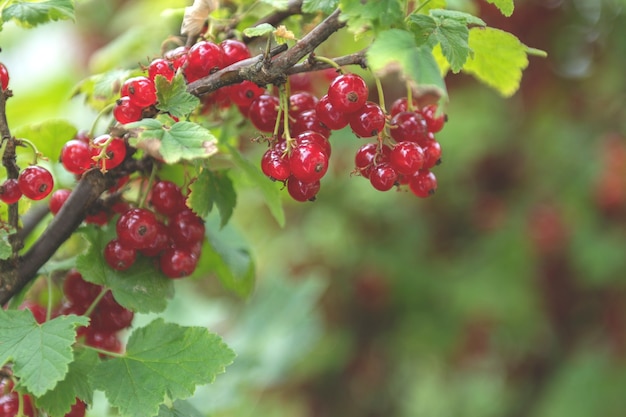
503, 295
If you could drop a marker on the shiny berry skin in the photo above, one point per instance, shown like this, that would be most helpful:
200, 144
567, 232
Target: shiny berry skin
244, 93
186, 229
77, 410
407, 157
263, 112
163, 67
167, 198
10, 191
35, 182
308, 162
177, 56
115, 151
434, 122
302, 191
409, 126
118, 256
402, 104
137, 228
432, 153
234, 51
9, 405
203, 59
310, 136
275, 165
159, 243
423, 184
177, 263
4, 76
348, 93
57, 199
367, 121
125, 111
368, 155
308, 120
301, 101
383, 177
76, 156
329, 116
140, 90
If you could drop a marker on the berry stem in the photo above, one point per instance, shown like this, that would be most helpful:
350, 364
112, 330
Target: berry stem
381, 94
409, 98
49, 304
102, 351
31, 145
102, 112
328, 61
103, 153
283, 94
144, 193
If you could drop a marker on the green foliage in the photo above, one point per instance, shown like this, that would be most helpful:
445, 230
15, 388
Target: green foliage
173, 97
180, 408
505, 6
323, 6
48, 136
162, 361
213, 188
5, 246
40, 353
374, 16
259, 30
33, 13
101, 90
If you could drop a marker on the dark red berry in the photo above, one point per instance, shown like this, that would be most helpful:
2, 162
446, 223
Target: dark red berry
383, 177
127, 112
432, 153
110, 316
367, 121
407, 157
263, 112
114, 154
107, 341
301, 101
76, 156
163, 67
329, 116
244, 93
423, 184
308, 120
4, 76
308, 162
234, 51
310, 136
137, 228
77, 410
78, 291
57, 199
140, 90
167, 198
10, 191
9, 405
35, 182
186, 228
402, 104
177, 56
159, 243
119, 257
409, 126
275, 165
177, 263
203, 59
434, 121
302, 191
39, 312
348, 93
369, 155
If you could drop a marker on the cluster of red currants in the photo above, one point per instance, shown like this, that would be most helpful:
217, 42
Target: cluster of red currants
33, 182
10, 403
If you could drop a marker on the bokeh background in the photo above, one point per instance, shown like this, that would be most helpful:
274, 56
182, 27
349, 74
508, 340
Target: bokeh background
504, 295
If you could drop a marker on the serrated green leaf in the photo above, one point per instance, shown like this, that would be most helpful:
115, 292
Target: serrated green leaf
162, 359
48, 136
314, 6
173, 97
180, 141
31, 14
59, 401
462, 17
396, 46
423, 28
5, 246
371, 15
213, 187
142, 287
268, 189
260, 30
180, 408
230, 257
498, 60
505, 6
101, 90
40, 353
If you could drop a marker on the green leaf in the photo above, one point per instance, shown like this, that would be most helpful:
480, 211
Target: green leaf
324, 6
48, 136
371, 15
213, 187
5, 246
270, 192
277, 4
180, 408
180, 141
162, 359
31, 14
173, 97
260, 30
142, 287
424, 6
396, 46
230, 257
40, 353
461, 17
498, 60
59, 400
100, 90
505, 6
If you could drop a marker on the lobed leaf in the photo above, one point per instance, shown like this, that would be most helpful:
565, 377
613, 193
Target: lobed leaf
180, 408
173, 97
371, 15
49, 136
505, 6
30, 14
323, 6
259, 30
162, 360
40, 353
213, 187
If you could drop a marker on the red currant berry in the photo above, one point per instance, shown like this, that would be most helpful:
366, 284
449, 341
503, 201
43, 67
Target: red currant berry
234, 51
367, 121
110, 316
348, 93
423, 184
10, 191
114, 154
203, 59
57, 199
100, 218
329, 116
177, 263
302, 191
160, 242
119, 257
275, 165
126, 112
76, 156
78, 291
244, 93
9, 405
368, 155
432, 152
434, 121
310, 136
383, 177
39, 311
186, 228
301, 101
308, 120
167, 198
4, 76
402, 104
35, 182
263, 112
177, 56
407, 157
78, 409
140, 90
137, 228
107, 341
409, 126
308, 162
163, 67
